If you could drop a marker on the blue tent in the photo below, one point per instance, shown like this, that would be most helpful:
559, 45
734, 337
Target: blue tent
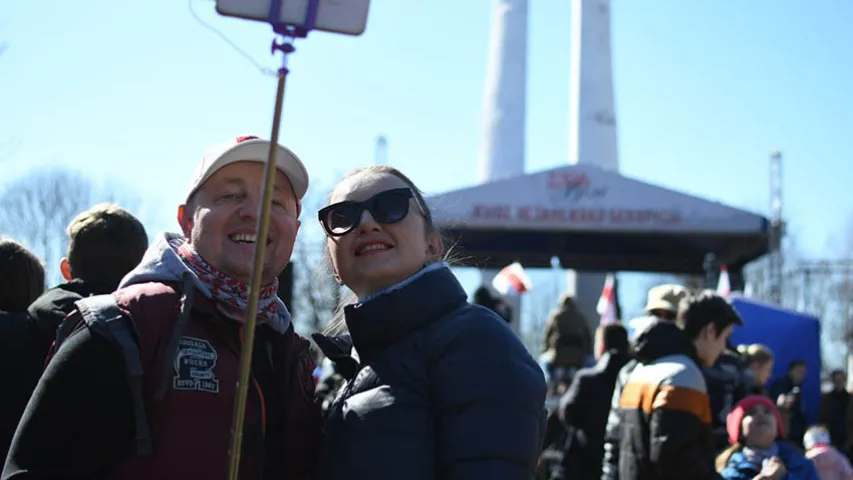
791, 336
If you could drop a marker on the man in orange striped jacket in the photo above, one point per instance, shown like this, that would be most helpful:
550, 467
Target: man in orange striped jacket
665, 409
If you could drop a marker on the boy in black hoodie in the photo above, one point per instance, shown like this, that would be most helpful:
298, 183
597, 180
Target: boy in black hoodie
104, 244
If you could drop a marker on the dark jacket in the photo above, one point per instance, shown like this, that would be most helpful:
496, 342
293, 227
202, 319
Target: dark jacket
833, 414
54, 305
727, 384
80, 422
21, 365
343, 367
25, 339
798, 466
584, 410
666, 414
795, 415
442, 389
613, 429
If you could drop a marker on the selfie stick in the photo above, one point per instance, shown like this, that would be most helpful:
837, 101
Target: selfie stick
289, 32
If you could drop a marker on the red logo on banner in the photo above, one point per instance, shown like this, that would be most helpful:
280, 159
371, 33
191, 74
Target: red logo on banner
572, 187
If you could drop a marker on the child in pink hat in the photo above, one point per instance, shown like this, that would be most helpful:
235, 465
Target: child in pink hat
758, 451
830, 463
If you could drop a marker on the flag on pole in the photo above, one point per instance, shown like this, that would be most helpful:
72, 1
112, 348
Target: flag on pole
607, 301
512, 279
724, 288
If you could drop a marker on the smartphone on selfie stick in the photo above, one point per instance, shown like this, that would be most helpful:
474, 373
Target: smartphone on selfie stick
348, 17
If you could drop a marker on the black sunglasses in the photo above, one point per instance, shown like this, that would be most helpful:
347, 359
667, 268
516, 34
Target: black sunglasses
390, 206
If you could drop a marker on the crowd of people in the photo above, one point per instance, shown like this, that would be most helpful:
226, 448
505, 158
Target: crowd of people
679, 401
129, 369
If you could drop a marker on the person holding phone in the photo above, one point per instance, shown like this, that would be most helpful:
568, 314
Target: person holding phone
787, 392
437, 387
144, 387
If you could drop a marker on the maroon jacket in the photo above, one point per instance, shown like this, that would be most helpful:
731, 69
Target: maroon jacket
190, 425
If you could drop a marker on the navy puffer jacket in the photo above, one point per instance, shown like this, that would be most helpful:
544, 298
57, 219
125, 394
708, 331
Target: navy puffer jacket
442, 390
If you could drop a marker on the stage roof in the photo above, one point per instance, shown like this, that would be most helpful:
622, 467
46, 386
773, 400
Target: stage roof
593, 219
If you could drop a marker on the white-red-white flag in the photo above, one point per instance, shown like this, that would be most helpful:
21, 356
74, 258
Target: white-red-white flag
512, 279
607, 301
724, 288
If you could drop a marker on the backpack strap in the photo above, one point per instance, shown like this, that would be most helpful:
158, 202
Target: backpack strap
175, 338
103, 316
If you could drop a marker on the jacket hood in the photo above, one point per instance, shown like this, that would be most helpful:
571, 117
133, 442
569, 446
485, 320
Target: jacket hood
661, 339
52, 306
161, 263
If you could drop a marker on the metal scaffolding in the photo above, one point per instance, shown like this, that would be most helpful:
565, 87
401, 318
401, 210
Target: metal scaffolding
777, 229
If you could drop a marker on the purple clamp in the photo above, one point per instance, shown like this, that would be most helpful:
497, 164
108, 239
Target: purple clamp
290, 31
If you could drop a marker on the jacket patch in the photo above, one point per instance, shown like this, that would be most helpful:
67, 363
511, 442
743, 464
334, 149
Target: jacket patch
194, 365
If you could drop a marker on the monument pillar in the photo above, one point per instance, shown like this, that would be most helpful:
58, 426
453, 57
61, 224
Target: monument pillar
504, 106
592, 120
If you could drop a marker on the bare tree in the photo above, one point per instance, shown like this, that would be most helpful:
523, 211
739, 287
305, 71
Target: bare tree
315, 292
37, 208
538, 305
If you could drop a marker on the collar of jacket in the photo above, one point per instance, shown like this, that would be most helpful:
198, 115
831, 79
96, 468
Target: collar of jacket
385, 319
338, 349
661, 339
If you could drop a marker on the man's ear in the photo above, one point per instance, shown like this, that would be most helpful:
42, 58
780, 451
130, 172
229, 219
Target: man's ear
65, 268
710, 331
185, 220
435, 247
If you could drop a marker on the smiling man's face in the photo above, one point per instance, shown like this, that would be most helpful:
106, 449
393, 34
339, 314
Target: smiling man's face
221, 217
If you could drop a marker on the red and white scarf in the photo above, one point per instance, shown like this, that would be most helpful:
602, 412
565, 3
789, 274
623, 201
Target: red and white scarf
227, 291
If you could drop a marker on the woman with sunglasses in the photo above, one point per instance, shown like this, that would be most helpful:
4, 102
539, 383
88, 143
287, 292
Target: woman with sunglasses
437, 387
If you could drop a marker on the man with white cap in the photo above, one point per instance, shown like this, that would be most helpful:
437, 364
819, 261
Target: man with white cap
143, 381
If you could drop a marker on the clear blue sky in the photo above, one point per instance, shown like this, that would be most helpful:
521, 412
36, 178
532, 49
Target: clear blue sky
705, 89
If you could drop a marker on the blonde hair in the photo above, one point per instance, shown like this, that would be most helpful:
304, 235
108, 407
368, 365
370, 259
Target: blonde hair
755, 354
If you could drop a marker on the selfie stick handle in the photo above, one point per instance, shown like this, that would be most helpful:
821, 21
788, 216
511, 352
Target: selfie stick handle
286, 48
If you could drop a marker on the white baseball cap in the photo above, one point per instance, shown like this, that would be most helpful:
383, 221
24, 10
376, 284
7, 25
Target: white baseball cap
249, 148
